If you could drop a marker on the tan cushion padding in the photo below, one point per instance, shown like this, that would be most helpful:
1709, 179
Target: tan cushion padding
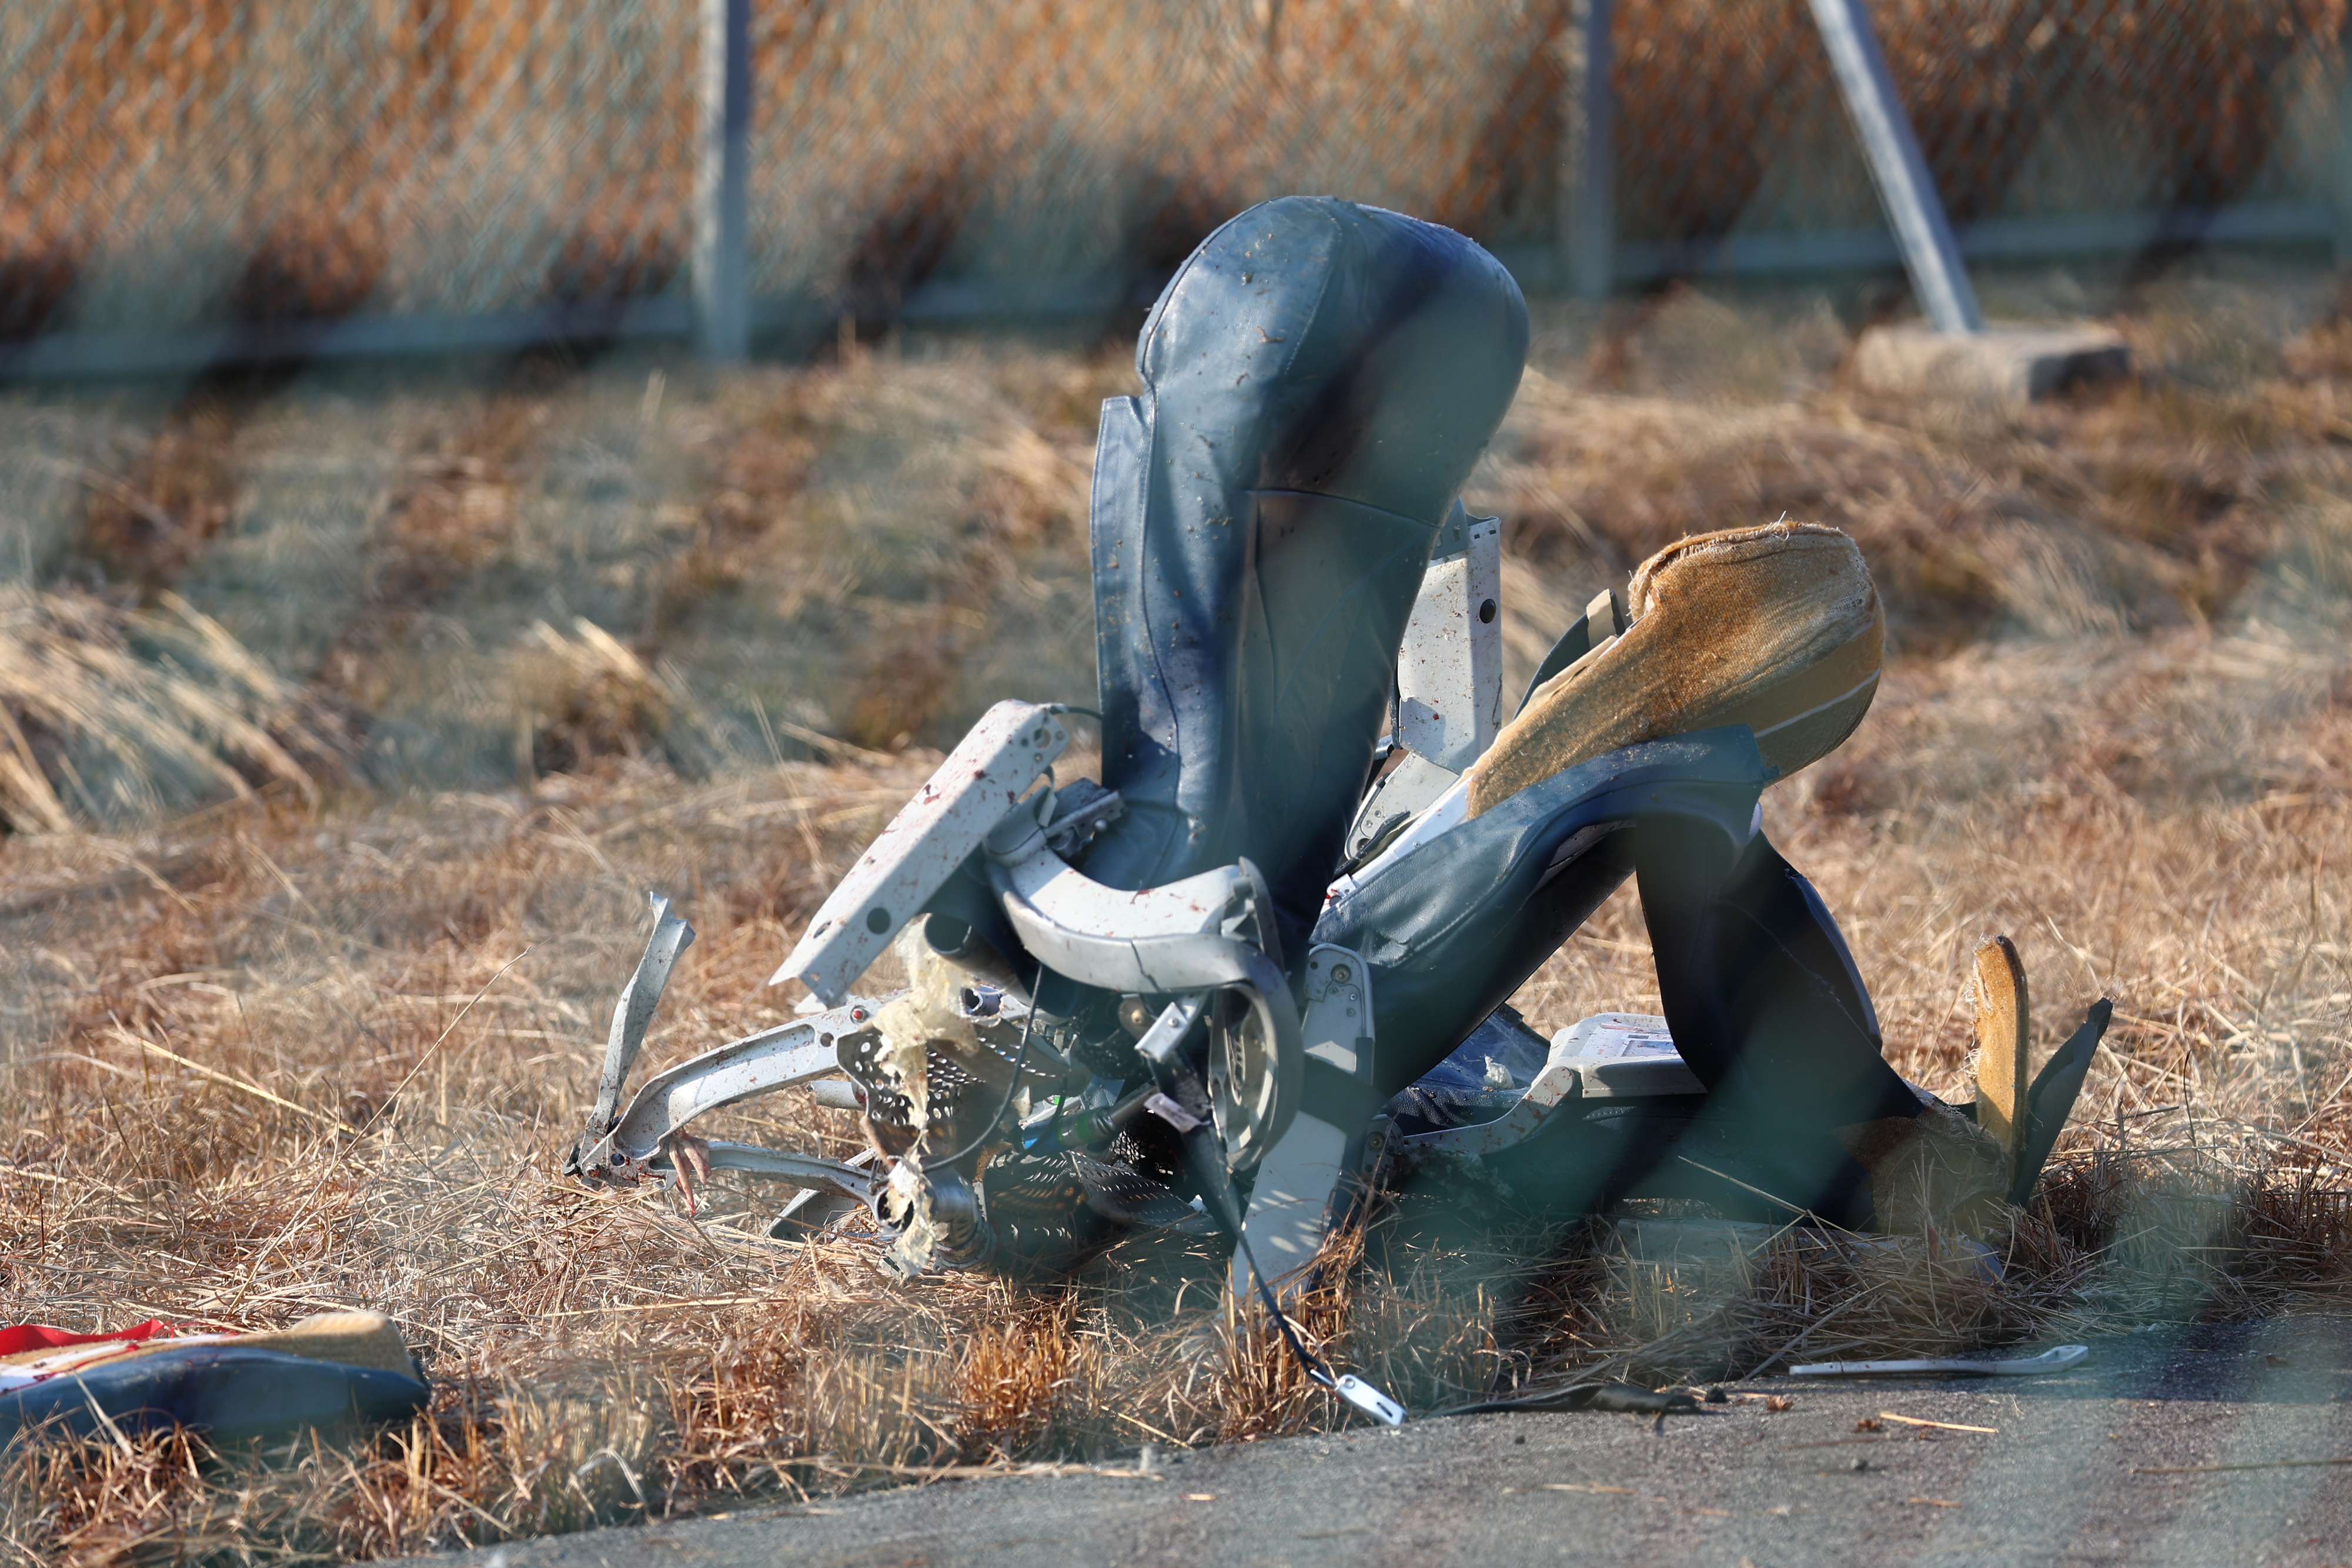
347, 1338
1778, 628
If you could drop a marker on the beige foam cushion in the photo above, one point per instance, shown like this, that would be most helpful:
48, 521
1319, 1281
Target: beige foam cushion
349, 1338
1778, 628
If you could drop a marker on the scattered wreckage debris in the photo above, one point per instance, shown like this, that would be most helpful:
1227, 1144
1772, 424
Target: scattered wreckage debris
1612, 1396
331, 1372
2056, 1359
1261, 967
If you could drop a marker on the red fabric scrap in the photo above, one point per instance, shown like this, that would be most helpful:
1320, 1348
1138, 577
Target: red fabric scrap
18, 1338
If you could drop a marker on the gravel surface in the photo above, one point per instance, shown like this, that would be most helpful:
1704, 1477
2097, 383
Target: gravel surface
2061, 1479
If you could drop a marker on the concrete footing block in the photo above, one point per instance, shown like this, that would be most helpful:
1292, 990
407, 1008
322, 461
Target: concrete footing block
2011, 366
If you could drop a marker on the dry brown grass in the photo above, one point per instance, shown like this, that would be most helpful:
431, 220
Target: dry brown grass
2119, 734
355, 965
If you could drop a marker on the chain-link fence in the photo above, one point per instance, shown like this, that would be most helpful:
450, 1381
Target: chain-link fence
166, 163
410, 167
2050, 126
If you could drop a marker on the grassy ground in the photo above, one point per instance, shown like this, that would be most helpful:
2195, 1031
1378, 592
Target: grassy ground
350, 720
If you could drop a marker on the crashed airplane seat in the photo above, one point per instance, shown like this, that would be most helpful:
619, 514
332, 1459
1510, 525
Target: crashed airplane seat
1265, 962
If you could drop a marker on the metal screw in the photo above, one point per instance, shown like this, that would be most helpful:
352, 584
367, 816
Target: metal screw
1341, 974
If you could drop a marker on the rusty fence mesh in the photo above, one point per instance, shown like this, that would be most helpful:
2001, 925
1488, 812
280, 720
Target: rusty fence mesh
169, 166
166, 163
2025, 110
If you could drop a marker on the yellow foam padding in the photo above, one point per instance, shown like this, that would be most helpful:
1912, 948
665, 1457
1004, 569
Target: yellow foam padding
1778, 628
2003, 1012
347, 1338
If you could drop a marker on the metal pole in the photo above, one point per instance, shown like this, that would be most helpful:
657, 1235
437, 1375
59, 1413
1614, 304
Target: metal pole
1912, 207
2340, 148
722, 313
1588, 208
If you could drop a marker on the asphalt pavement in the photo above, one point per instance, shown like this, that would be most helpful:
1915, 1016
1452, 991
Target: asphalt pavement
2177, 1447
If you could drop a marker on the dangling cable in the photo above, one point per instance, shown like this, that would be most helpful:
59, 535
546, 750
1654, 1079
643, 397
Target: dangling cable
1307, 1361
1207, 1154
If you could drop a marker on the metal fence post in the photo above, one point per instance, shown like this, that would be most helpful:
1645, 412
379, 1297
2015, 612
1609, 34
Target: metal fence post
1929, 252
722, 312
1588, 207
2340, 146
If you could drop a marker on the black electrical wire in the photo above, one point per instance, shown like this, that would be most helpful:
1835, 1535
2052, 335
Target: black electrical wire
1314, 1368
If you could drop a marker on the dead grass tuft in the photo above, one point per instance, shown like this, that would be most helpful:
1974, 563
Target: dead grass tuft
108, 715
119, 1498
1669, 1300
586, 696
